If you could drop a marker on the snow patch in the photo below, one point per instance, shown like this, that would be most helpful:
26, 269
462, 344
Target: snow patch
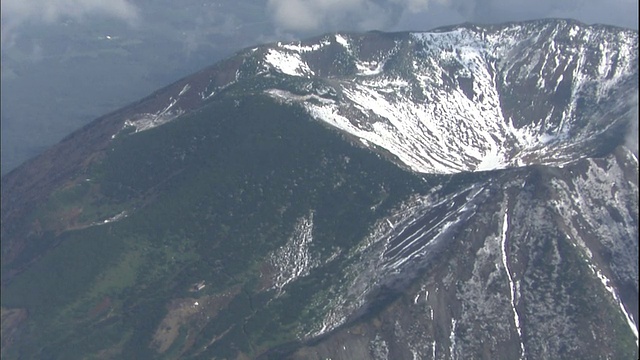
294, 259
143, 122
287, 62
184, 90
369, 68
114, 218
546, 138
298, 47
288, 96
342, 40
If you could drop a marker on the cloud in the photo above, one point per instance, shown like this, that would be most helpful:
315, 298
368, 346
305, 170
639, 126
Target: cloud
615, 12
306, 16
206, 27
620, 12
323, 15
18, 13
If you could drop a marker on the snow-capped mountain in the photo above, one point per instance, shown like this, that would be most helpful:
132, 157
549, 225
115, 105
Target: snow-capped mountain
471, 98
465, 98
466, 192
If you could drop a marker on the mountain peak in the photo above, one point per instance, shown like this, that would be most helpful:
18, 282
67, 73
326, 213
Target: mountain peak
459, 98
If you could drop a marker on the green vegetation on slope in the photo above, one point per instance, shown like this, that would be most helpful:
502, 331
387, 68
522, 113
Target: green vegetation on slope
208, 197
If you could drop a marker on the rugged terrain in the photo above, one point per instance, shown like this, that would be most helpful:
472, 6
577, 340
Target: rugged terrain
468, 192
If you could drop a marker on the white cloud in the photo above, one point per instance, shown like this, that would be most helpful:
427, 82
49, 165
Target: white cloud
416, 6
617, 12
308, 16
17, 13
323, 15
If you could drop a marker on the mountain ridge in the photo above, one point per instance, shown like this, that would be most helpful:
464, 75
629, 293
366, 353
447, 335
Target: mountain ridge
318, 216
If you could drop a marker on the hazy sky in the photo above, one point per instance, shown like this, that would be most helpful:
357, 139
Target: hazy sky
301, 16
66, 62
305, 15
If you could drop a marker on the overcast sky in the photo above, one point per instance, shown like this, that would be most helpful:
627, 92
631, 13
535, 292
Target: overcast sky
66, 62
309, 16
300, 15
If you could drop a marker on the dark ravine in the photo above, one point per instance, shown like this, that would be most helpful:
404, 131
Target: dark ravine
461, 193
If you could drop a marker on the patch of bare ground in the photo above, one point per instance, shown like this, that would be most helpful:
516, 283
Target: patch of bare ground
190, 315
113, 352
69, 219
11, 320
101, 307
268, 274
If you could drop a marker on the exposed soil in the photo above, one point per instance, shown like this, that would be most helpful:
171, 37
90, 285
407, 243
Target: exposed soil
101, 307
186, 315
11, 321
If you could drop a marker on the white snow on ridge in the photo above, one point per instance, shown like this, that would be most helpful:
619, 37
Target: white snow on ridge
342, 40
448, 133
369, 68
444, 113
299, 48
288, 62
147, 121
454, 122
184, 90
288, 96
417, 133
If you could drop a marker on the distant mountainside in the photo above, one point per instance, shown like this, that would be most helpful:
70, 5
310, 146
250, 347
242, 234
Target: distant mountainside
467, 192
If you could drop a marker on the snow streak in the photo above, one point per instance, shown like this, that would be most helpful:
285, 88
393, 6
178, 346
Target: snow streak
606, 283
452, 339
512, 286
294, 260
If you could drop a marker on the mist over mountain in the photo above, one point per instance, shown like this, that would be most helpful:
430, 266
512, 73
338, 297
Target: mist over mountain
467, 192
